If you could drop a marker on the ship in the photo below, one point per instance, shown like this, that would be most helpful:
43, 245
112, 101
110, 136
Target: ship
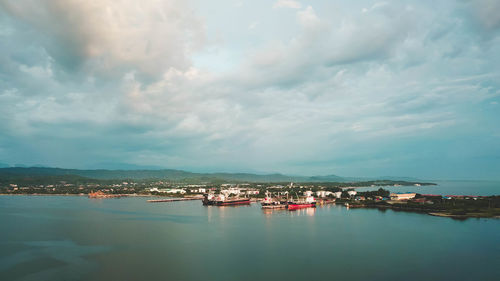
271, 203
223, 200
308, 202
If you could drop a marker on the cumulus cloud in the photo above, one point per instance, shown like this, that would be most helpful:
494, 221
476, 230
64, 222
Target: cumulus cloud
334, 94
109, 35
287, 4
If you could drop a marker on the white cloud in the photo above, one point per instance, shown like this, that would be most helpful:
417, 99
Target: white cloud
291, 4
253, 25
106, 35
308, 17
340, 87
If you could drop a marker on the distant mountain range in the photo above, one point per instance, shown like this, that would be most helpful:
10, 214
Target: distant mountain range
175, 175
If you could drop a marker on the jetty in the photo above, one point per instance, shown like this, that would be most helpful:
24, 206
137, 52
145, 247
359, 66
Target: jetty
173, 199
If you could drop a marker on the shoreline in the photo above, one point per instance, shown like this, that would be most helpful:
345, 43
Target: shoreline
82, 194
436, 213
352, 205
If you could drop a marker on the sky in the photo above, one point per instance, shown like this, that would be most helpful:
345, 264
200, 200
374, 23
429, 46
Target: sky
316, 87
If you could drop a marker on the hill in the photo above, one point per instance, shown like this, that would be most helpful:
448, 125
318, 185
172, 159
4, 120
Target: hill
166, 174
170, 174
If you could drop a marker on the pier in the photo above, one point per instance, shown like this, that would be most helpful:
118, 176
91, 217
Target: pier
173, 199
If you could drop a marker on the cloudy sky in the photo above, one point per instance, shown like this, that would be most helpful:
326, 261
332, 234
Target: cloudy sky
354, 88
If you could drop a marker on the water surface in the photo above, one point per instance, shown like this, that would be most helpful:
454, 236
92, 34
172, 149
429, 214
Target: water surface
76, 238
482, 188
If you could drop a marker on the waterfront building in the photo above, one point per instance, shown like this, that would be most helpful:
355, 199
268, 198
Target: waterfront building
252, 191
176, 190
323, 193
352, 192
402, 196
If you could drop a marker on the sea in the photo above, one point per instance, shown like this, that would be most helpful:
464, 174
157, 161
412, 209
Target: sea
480, 188
77, 238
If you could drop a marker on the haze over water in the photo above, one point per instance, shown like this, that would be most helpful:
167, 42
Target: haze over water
76, 238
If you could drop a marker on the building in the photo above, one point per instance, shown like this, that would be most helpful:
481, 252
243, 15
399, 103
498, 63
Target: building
252, 191
402, 196
323, 193
352, 192
231, 191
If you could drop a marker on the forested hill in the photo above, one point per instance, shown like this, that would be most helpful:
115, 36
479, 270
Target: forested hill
167, 174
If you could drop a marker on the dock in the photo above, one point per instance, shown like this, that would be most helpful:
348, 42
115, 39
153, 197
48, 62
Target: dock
173, 199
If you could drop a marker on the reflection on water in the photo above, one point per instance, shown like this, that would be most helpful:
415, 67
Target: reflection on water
269, 212
301, 212
223, 211
297, 212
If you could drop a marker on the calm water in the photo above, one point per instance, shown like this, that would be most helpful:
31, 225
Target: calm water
483, 188
76, 238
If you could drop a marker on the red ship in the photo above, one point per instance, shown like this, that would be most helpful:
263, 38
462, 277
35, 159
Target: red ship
308, 202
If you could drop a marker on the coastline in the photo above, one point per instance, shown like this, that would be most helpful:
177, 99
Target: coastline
80, 194
431, 212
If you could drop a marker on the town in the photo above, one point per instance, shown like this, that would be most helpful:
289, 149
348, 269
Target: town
344, 194
179, 188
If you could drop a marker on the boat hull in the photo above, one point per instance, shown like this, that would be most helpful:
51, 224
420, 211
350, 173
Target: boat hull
273, 206
296, 206
245, 201
232, 202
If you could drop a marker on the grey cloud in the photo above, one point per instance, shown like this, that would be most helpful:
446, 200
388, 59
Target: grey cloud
486, 12
109, 35
341, 91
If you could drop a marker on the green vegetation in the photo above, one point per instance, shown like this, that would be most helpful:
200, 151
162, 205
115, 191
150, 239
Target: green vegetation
186, 177
455, 207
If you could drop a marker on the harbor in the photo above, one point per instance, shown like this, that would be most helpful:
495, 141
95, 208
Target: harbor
173, 200
145, 239
292, 197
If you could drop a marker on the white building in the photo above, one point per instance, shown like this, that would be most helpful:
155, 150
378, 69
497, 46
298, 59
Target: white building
402, 196
253, 192
323, 193
352, 192
176, 190
231, 191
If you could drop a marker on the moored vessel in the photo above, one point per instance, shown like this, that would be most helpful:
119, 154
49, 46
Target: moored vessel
223, 200
308, 202
271, 203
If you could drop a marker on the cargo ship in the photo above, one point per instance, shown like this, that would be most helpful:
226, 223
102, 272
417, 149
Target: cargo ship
308, 202
271, 203
222, 200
